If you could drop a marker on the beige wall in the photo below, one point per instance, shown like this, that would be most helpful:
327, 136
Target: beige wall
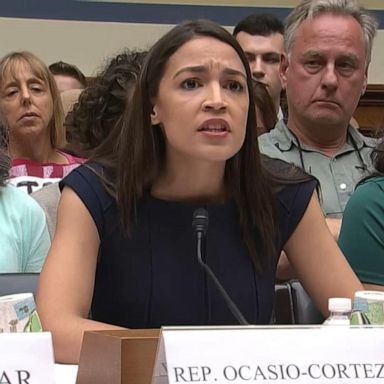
376, 70
89, 44
86, 44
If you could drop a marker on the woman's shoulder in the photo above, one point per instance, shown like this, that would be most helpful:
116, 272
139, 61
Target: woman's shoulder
292, 190
86, 178
89, 171
288, 180
283, 173
293, 198
90, 182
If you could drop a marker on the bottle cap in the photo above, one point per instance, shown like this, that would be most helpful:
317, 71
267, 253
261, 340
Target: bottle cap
339, 304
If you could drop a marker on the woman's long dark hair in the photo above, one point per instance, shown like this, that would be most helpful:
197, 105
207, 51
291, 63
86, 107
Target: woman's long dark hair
133, 155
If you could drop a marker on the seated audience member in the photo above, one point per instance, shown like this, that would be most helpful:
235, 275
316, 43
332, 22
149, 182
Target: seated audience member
67, 76
328, 47
266, 117
31, 105
124, 246
100, 106
24, 239
362, 231
261, 37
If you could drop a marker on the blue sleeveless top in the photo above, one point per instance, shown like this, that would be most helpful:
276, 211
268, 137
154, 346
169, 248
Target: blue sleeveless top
153, 277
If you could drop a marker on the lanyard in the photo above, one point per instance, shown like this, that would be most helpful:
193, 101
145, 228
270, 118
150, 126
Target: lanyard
363, 167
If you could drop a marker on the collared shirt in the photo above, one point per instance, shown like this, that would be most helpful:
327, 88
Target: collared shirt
337, 174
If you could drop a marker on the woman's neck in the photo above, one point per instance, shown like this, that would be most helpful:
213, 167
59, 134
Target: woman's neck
200, 181
38, 150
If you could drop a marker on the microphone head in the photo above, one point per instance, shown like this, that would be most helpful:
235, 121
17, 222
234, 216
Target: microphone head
200, 220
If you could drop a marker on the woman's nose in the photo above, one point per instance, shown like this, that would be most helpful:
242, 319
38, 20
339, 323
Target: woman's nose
25, 95
215, 99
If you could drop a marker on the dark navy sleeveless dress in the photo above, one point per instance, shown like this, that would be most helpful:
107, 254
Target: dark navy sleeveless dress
153, 278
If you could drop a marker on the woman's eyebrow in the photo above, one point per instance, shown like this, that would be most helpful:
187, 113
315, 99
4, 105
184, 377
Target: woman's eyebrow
192, 68
14, 82
203, 68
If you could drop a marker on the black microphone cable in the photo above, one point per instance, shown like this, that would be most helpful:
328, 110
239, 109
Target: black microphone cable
200, 225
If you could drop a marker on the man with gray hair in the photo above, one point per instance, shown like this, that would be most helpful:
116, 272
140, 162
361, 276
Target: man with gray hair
328, 47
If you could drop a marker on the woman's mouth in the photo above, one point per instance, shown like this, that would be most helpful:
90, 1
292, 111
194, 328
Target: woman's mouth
214, 126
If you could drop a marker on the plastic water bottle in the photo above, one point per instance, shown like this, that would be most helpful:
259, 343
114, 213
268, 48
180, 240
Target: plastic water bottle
340, 311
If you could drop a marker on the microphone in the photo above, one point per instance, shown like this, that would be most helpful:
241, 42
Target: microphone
200, 226
200, 221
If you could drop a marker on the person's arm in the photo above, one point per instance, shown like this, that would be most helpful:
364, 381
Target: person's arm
67, 279
285, 271
318, 261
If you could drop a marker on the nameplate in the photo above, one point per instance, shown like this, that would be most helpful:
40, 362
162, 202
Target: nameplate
313, 354
26, 358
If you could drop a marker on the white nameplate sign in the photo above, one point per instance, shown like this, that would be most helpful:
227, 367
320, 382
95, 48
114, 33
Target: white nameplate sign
26, 358
223, 355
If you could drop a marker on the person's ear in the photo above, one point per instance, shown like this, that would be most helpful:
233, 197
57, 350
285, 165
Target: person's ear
155, 120
284, 64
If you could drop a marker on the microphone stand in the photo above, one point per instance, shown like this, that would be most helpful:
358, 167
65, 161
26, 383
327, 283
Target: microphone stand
201, 217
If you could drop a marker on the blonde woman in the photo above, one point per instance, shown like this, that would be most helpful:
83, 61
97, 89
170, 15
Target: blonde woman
31, 106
